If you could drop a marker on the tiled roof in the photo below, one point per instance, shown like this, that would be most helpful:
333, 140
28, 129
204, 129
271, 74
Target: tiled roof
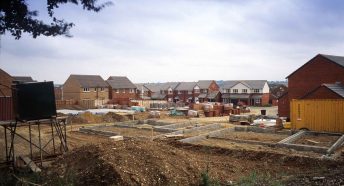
23, 79
254, 84
204, 84
337, 88
120, 82
186, 86
158, 95
90, 81
212, 95
141, 86
337, 59
156, 87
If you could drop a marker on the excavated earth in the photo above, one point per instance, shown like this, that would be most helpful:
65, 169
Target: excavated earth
169, 162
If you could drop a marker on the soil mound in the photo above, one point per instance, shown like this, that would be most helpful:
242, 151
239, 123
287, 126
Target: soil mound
128, 163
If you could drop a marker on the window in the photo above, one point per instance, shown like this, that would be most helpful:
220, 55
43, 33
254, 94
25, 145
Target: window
102, 89
180, 92
257, 101
227, 90
244, 90
132, 90
123, 91
298, 112
86, 89
169, 91
205, 90
196, 90
95, 89
235, 90
256, 90
117, 91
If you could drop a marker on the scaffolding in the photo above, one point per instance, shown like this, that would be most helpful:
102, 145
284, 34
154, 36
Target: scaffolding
58, 139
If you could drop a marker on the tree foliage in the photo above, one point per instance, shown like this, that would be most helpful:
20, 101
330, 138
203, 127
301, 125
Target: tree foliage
16, 18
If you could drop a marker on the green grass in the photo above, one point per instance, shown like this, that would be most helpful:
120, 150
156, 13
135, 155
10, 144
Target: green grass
255, 178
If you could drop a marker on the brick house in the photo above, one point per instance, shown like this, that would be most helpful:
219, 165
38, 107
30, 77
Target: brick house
6, 81
142, 92
122, 90
6, 106
276, 91
162, 91
23, 79
209, 91
246, 92
86, 88
186, 92
320, 69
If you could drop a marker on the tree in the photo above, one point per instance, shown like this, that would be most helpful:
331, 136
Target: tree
16, 18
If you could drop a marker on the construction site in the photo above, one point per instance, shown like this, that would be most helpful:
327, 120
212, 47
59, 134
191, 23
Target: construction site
115, 149
169, 93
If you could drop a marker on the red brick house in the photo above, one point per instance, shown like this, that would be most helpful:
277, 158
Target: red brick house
6, 81
122, 90
209, 91
142, 92
162, 91
246, 92
6, 106
276, 91
317, 71
87, 90
186, 92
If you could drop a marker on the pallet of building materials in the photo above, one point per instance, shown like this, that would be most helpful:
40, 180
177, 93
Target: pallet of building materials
192, 113
209, 113
196, 106
208, 107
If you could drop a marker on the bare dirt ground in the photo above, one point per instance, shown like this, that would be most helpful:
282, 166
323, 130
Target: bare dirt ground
97, 160
265, 137
325, 141
223, 143
136, 162
132, 132
270, 111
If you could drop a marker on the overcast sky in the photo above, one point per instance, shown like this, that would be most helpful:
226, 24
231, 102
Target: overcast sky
181, 40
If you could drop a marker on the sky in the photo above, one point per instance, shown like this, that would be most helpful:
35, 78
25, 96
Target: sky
180, 40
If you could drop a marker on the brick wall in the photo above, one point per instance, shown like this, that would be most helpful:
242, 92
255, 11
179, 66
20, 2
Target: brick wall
316, 72
320, 70
283, 106
122, 96
213, 87
94, 93
265, 98
6, 82
322, 93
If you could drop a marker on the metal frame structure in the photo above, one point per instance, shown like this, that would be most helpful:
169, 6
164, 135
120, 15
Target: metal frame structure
58, 129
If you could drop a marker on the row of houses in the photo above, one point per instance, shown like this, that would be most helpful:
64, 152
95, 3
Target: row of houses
120, 90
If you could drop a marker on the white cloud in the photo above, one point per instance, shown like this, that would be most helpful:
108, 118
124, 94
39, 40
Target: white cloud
180, 41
